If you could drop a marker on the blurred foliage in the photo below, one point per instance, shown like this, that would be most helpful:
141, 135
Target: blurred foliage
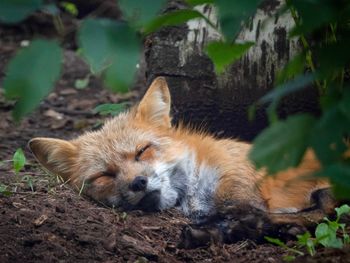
25, 80
113, 49
323, 28
14, 11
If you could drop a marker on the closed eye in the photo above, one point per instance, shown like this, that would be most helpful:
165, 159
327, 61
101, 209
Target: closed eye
112, 174
107, 173
141, 151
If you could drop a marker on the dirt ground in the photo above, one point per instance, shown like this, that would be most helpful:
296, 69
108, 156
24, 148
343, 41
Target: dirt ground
53, 223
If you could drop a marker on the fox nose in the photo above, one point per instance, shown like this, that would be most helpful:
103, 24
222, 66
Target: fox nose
138, 184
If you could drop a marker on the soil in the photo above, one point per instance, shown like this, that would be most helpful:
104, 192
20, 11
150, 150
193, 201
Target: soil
53, 223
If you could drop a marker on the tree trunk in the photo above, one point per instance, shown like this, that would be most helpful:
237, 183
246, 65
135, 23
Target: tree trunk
220, 103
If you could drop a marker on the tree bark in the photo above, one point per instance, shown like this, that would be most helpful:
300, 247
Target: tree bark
220, 103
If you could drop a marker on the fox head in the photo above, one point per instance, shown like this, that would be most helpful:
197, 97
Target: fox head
133, 161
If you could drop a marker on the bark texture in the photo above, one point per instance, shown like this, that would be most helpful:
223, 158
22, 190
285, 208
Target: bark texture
220, 103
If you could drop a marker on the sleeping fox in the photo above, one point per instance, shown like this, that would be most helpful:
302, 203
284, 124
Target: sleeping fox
138, 160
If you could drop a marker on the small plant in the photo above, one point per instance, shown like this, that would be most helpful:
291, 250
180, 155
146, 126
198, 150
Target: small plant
326, 232
112, 109
19, 160
326, 235
82, 83
293, 251
29, 181
4, 190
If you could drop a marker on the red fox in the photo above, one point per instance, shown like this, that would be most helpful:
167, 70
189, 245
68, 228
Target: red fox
138, 160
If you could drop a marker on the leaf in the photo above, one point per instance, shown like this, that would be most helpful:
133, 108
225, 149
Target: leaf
113, 48
307, 241
275, 95
29, 181
14, 11
325, 10
302, 239
339, 174
51, 9
223, 54
139, 13
112, 109
95, 42
344, 105
174, 18
283, 144
19, 160
232, 13
287, 88
332, 58
4, 190
199, 2
328, 141
82, 83
31, 74
291, 69
70, 8
275, 241
327, 236
288, 258
344, 209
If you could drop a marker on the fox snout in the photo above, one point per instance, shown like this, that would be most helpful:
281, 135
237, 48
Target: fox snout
150, 199
138, 184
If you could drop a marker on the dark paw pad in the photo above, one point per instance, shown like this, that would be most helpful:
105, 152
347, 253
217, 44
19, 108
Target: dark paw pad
193, 237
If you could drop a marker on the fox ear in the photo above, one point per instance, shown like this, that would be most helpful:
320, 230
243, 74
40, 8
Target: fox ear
155, 104
57, 156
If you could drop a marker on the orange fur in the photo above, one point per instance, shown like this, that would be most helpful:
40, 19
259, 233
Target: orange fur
106, 159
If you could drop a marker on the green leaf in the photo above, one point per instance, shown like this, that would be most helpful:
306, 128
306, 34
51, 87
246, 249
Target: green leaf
113, 48
293, 68
232, 13
4, 190
283, 144
332, 58
275, 241
95, 42
112, 109
325, 10
70, 8
19, 160
328, 141
327, 236
14, 11
51, 9
307, 241
288, 258
82, 83
344, 105
31, 74
223, 54
29, 181
339, 174
199, 2
344, 209
174, 18
302, 239
139, 13
287, 88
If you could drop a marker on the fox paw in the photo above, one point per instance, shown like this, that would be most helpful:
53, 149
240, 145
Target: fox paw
236, 224
225, 228
193, 237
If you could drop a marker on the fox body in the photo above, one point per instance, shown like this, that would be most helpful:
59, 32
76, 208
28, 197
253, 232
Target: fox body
137, 160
